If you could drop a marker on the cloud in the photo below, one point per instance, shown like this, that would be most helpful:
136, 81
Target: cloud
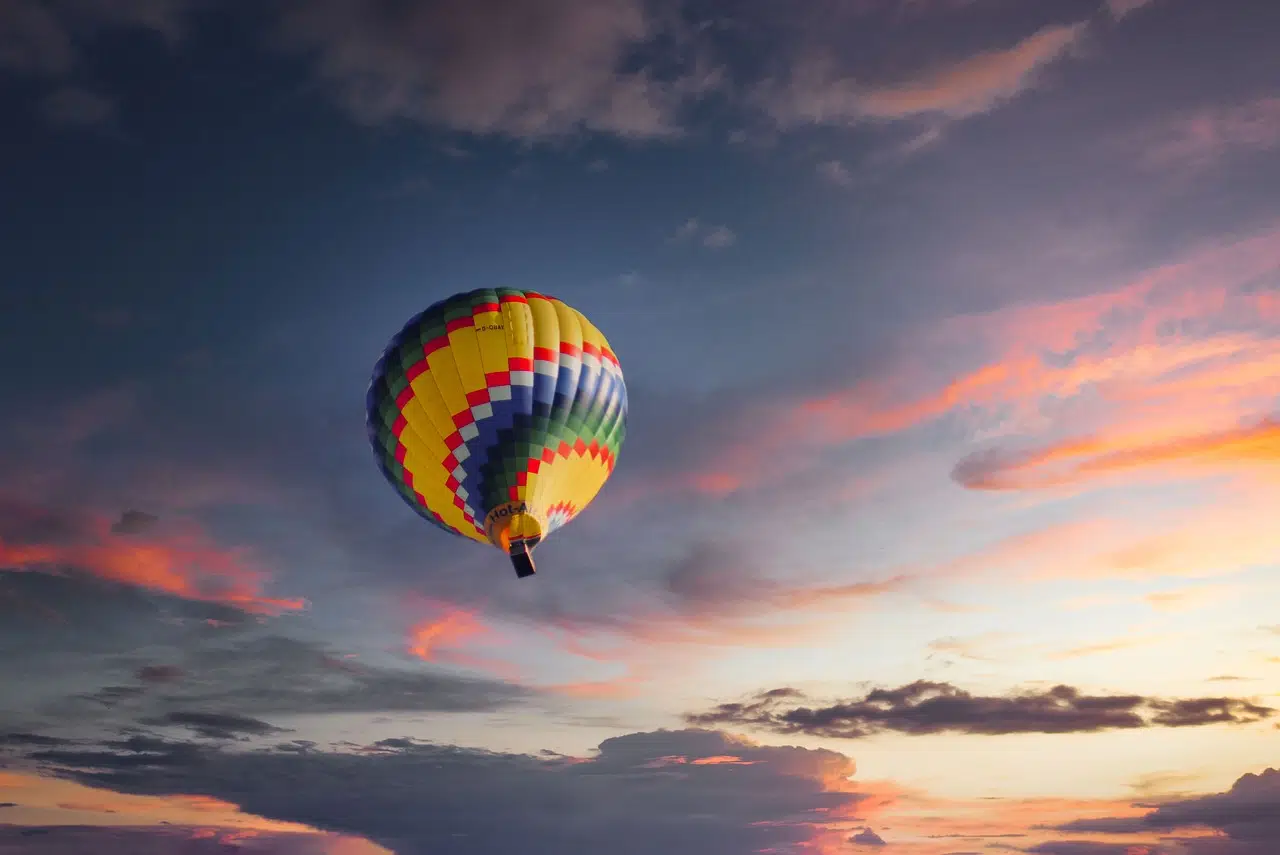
867, 837
1122, 8
639, 793
1091, 457
711, 597
1248, 815
1181, 351
134, 522
835, 172
925, 707
1204, 137
215, 725
160, 673
719, 237
815, 93
530, 71
1087, 847
181, 561
126, 840
44, 37
75, 106
31, 739
712, 237
220, 662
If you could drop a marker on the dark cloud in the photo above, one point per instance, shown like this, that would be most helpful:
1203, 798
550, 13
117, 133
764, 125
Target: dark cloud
160, 673
110, 696
91, 668
926, 707
275, 674
31, 739
1248, 815
137, 752
46, 36
867, 837
132, 522
510, 67
76, 106
1249, 811
1083, 847
215, 725
640, 793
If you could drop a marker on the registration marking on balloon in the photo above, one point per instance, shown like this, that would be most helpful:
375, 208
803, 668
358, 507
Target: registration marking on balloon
495, 397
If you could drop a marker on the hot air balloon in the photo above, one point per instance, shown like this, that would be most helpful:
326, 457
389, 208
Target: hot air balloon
497, 414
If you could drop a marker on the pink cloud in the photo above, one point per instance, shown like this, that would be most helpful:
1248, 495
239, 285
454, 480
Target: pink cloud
179, 560
1122, 8
815, 93
1159, 364
1204, 137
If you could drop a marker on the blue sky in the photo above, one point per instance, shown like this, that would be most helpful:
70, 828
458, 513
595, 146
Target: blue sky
950, 337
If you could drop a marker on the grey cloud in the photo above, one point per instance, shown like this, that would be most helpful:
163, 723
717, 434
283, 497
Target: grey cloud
527, 70
640, 793
30, 740
159, 673
926, 707
1083, 847
91, 664
76, 106
1248, 815
133, 522
45, 36
215, 725
867, 837
709, 236
1249, 811
1122, 8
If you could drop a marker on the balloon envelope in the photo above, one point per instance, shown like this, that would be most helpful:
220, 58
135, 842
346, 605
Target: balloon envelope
497, 415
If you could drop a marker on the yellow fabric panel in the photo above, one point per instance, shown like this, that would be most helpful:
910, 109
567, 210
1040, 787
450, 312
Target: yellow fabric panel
493, 342
577, 480
429, 479
444, 373
430, 406
546, 323
518, 320
466, 359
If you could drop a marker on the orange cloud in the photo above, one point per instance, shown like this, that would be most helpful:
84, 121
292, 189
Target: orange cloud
1077, 460
183, 563
1222, 538
1106, 647
1182, 350
57, 801
426, 637
1189, 599
437, 639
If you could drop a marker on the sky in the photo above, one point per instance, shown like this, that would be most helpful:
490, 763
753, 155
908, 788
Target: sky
945, 519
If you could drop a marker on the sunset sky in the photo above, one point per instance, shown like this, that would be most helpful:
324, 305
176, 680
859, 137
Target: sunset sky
947, 517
